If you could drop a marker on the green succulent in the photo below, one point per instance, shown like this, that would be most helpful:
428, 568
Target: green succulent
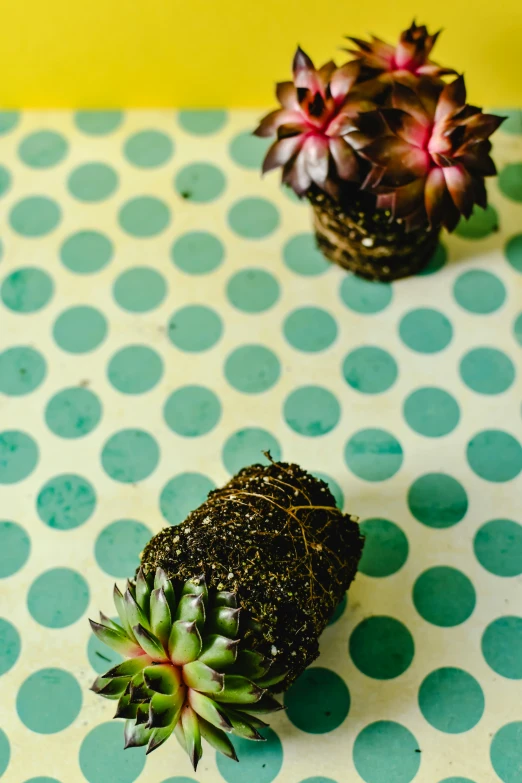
188, 670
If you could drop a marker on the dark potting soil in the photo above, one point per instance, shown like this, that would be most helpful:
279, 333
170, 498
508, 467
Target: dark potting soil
273, 535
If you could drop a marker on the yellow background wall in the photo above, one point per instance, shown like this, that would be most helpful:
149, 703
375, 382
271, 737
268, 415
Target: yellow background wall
104, 53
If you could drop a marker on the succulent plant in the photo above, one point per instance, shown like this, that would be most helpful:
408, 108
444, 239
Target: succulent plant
430, 157
187, 670
403, 62
316, 127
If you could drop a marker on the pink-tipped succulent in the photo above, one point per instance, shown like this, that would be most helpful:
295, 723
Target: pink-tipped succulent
430, 160
316, 128
409, 58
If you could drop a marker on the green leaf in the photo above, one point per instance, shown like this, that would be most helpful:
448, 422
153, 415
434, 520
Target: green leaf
273, 676
201, 677
138, 690
190, 723
160, 619
135, 614
196, 586
209, 710
219, 651
117, 641
119, 603
143, 591
136, 735
225, 598
224, 620
164, 678
159, 736
239, 690
104, 620
125, 708
217, 738
163, 709
142, 715
113, 689
243, 726
180, 735
161, 580
149, 643
130, 667
253, 720
191, 608
251, 664
266, 704
184, 642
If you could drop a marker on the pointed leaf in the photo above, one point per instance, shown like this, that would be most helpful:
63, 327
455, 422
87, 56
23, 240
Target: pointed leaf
138, 690
253, 720
142, 715
191, 730
239, 690
266, 704
104, 620
209, 710
117, 641
224, 620
142, 591
119, 603
160, 619
191, 608
135, 614
271, 678
125, 708
114, 688
159, 736
225, 598
242, 725
219, 651
201, 677
184, 642
135, 735
217, 738
180, 735
251, 664
165, 678
161, 580
196, 586
149, 643
130, 667
164, 709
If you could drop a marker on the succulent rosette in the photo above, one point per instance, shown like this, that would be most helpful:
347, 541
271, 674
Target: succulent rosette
316, 127
430, 159
410, 58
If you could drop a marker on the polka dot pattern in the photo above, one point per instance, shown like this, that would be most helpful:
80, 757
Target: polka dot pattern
167, 318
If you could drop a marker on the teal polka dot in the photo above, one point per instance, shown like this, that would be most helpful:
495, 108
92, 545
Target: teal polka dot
58, 598
140, 290
101, 657
381, 647
178, 779
200, 182
494, 455
318, 780
373, 455
92, 182
148, 149
363, 296
517, 329
260, 761
202, 122
253, 218
22, 370
386, 752
135, 369
98, 123
10, 646
333, 486
5, 752
513, 121
310, 329
431, 412
451, 700
182, 494
86, 252
510, 181
339, 610
35, 216
506, 752
102, 756
444, 596
248, 150
43, 149
73, 413
513, 251
252, 369
8, 121
66, 501
198, 252
195, 328
456, 780
370, 370
292, 196
498, 547
192, 411
42, 780
144, 216
312, 411
5, 180
253, 290
487, 371
318, 701
481, 224
27, 290
130, 455
436, 262
118, 547
502, 647
18, 456
437, 500
479, 292
80, 329
15, 546
425, 330
302, 256
385, 548
247, 447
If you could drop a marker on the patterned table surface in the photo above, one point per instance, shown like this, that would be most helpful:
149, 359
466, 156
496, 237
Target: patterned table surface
164, 318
